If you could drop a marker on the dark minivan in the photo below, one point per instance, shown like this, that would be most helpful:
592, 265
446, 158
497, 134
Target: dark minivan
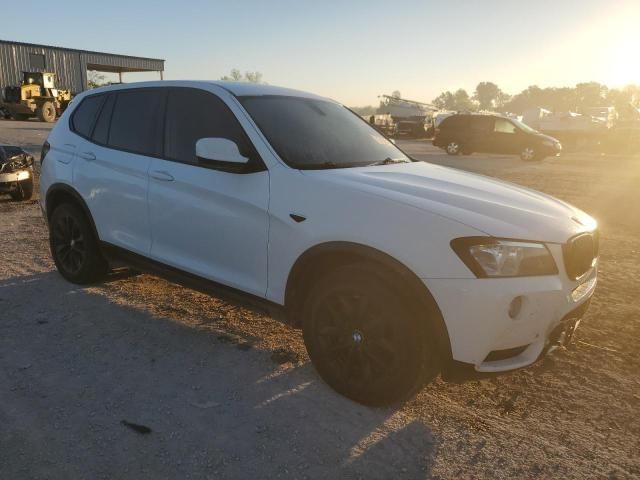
469, 133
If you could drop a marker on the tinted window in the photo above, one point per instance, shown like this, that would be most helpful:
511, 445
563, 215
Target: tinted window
194, 114
311, 134
101, 130
504, 126
85, 115
136, 123
455, 121
482, 124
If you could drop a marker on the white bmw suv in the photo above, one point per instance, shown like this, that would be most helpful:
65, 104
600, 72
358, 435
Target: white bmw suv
395, 269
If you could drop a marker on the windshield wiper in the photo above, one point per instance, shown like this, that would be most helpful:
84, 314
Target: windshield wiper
388, 161
328, 165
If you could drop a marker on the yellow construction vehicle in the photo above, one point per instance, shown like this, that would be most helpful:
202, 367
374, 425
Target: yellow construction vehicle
37, 96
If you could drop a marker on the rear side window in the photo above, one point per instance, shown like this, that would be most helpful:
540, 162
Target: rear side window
84, 116
455, 121
136, 122
101, 130
193, 114
482, 124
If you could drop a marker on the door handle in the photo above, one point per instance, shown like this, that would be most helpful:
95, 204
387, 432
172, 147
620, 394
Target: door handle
162, 176
90, 156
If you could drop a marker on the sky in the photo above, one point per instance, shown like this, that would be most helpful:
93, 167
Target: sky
353, 51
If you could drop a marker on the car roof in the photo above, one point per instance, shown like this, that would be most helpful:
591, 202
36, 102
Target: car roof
239, 89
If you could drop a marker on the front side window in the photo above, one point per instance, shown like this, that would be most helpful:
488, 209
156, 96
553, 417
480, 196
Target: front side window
136, 122
504, 126
524, 126
84, 116
312, 134
193, 114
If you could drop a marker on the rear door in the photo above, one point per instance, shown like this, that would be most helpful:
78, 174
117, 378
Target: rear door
208, 220
111, 170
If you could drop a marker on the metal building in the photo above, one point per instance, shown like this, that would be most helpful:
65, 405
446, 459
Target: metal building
70, 65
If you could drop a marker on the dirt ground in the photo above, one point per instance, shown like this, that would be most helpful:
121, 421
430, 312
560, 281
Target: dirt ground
228, 393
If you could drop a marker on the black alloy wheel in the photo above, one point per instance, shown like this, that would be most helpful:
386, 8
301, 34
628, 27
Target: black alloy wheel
74, 246
363, 338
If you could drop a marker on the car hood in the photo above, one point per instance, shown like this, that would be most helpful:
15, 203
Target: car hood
490, 206
542, 137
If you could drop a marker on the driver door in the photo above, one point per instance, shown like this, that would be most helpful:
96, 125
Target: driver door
210, 220
506, 137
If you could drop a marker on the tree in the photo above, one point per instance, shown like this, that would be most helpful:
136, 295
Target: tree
487, 94
236, 76
457, 101
444, 101
463, 100
96, 79
590, 94
253, 77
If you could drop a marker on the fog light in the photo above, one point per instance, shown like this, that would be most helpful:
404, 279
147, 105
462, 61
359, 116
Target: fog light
583, 290
515, 307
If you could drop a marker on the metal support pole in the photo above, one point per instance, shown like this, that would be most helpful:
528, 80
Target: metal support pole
161, 75
120, 77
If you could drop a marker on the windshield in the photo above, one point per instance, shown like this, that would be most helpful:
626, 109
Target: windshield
315, 134
523, 126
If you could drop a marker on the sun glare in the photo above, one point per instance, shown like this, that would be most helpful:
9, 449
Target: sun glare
621, 43
624, 67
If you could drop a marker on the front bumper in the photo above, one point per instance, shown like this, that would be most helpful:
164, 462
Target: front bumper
481, 330
8, 180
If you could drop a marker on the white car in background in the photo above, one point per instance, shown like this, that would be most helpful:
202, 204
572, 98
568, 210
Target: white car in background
396, 270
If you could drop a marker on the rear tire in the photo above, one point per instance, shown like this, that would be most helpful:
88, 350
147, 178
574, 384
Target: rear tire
364, 337
74, 246
47, 112
24, 190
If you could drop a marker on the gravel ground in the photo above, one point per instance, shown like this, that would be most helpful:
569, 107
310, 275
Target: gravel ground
225, 392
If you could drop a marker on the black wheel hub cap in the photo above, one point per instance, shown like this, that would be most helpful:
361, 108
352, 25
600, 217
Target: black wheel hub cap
359, 339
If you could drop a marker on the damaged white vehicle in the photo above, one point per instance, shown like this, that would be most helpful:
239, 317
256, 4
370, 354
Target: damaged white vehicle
16, 172
396, 270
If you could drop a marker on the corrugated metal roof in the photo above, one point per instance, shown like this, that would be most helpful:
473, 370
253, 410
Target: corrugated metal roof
78, 50
70, 65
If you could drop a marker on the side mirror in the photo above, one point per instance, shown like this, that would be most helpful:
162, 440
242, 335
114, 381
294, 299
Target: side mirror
219, 151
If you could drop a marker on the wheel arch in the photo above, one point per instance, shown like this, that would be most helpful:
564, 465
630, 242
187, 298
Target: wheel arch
60, 193
320, 259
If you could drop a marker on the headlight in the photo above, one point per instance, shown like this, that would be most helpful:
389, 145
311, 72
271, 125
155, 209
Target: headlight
493, 257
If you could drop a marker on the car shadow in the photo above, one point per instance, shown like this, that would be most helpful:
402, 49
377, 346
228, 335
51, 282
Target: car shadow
83, 375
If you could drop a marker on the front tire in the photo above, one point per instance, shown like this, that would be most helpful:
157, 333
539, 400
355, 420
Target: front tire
47, 112
529, 154
24, 190
453, 148
365, 339
74, 246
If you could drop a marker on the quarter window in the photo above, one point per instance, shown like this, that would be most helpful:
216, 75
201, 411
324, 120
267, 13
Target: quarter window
85, 115
101, 130
193, 114
136, 122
